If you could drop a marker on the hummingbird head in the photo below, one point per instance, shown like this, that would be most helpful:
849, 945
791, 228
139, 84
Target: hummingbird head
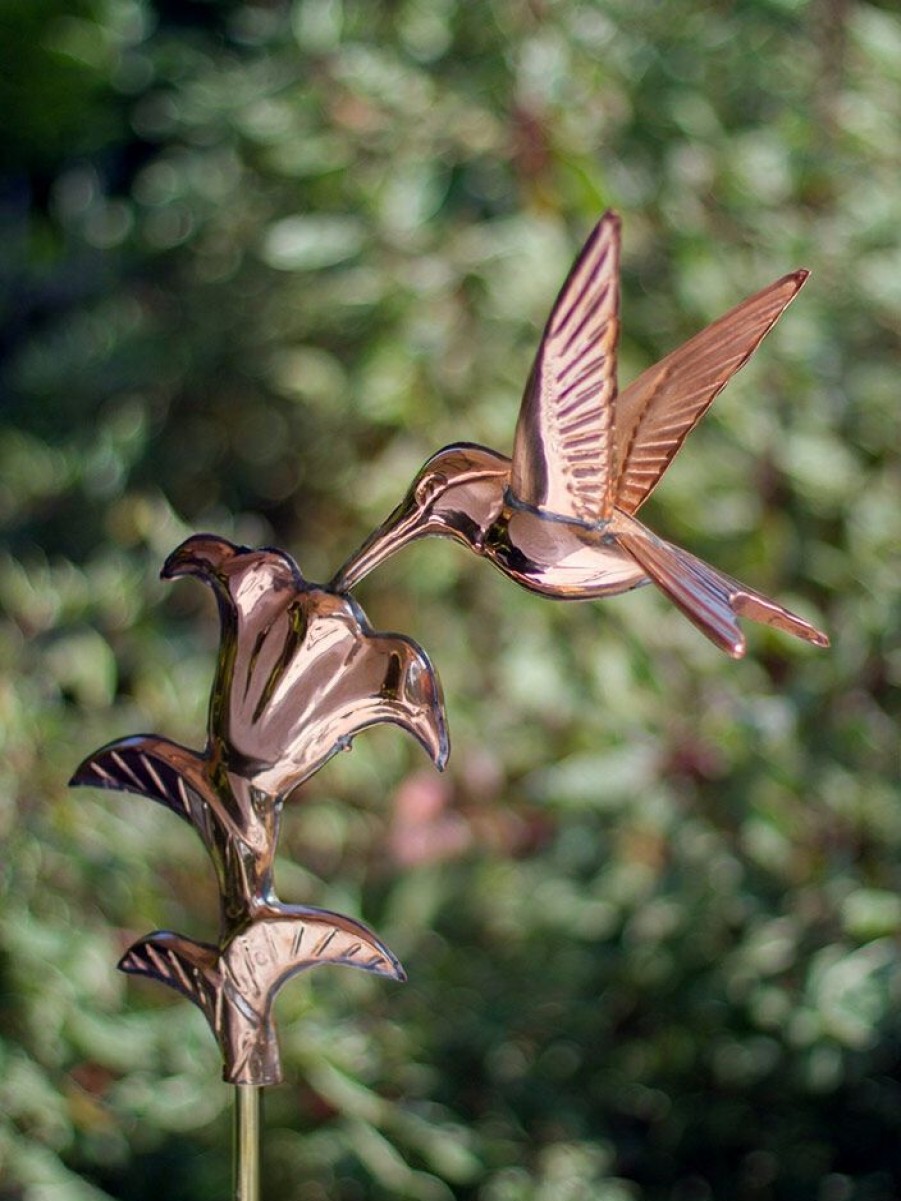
457, 494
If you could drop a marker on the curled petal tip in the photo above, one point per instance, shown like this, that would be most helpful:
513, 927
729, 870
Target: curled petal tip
441, 749
199, 554
424, 704
430, 732
175, 563
390, 967
436, 745
430, 728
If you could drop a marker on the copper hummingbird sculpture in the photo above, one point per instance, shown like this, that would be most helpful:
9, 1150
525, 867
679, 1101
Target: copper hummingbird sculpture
299, 674
559, 517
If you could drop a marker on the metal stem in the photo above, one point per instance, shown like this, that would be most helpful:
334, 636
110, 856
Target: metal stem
246, 1149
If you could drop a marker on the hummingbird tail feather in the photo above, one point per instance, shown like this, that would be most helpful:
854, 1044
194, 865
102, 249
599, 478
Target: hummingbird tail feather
709, 599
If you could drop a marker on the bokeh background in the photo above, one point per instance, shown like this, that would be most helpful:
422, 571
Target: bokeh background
257, 261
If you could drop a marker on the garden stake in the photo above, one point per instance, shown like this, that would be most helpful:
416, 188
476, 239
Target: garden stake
246, 1142
300, 672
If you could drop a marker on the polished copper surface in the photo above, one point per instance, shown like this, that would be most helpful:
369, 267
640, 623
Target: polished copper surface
299, 674
559, 517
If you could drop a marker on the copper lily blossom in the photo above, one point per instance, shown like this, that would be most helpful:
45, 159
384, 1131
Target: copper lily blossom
559, 517
300, 671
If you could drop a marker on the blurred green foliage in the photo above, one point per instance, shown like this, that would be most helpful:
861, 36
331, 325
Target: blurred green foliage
258, 260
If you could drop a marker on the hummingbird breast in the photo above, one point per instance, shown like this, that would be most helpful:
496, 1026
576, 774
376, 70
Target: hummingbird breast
558, 558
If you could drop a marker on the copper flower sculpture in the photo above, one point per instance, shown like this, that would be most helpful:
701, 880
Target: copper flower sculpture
299, 674
559, 517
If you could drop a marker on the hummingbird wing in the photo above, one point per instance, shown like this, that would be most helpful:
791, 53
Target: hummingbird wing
563, 448
655, 414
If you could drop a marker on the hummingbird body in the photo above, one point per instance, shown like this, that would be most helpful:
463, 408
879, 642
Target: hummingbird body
558, 517
560, 559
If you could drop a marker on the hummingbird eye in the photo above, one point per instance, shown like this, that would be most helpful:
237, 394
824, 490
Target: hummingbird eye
429, 487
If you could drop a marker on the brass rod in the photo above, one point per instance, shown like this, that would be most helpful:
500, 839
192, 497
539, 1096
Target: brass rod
246, 1147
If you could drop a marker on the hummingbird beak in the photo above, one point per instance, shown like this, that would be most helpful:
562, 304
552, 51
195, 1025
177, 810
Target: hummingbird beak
405, 524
